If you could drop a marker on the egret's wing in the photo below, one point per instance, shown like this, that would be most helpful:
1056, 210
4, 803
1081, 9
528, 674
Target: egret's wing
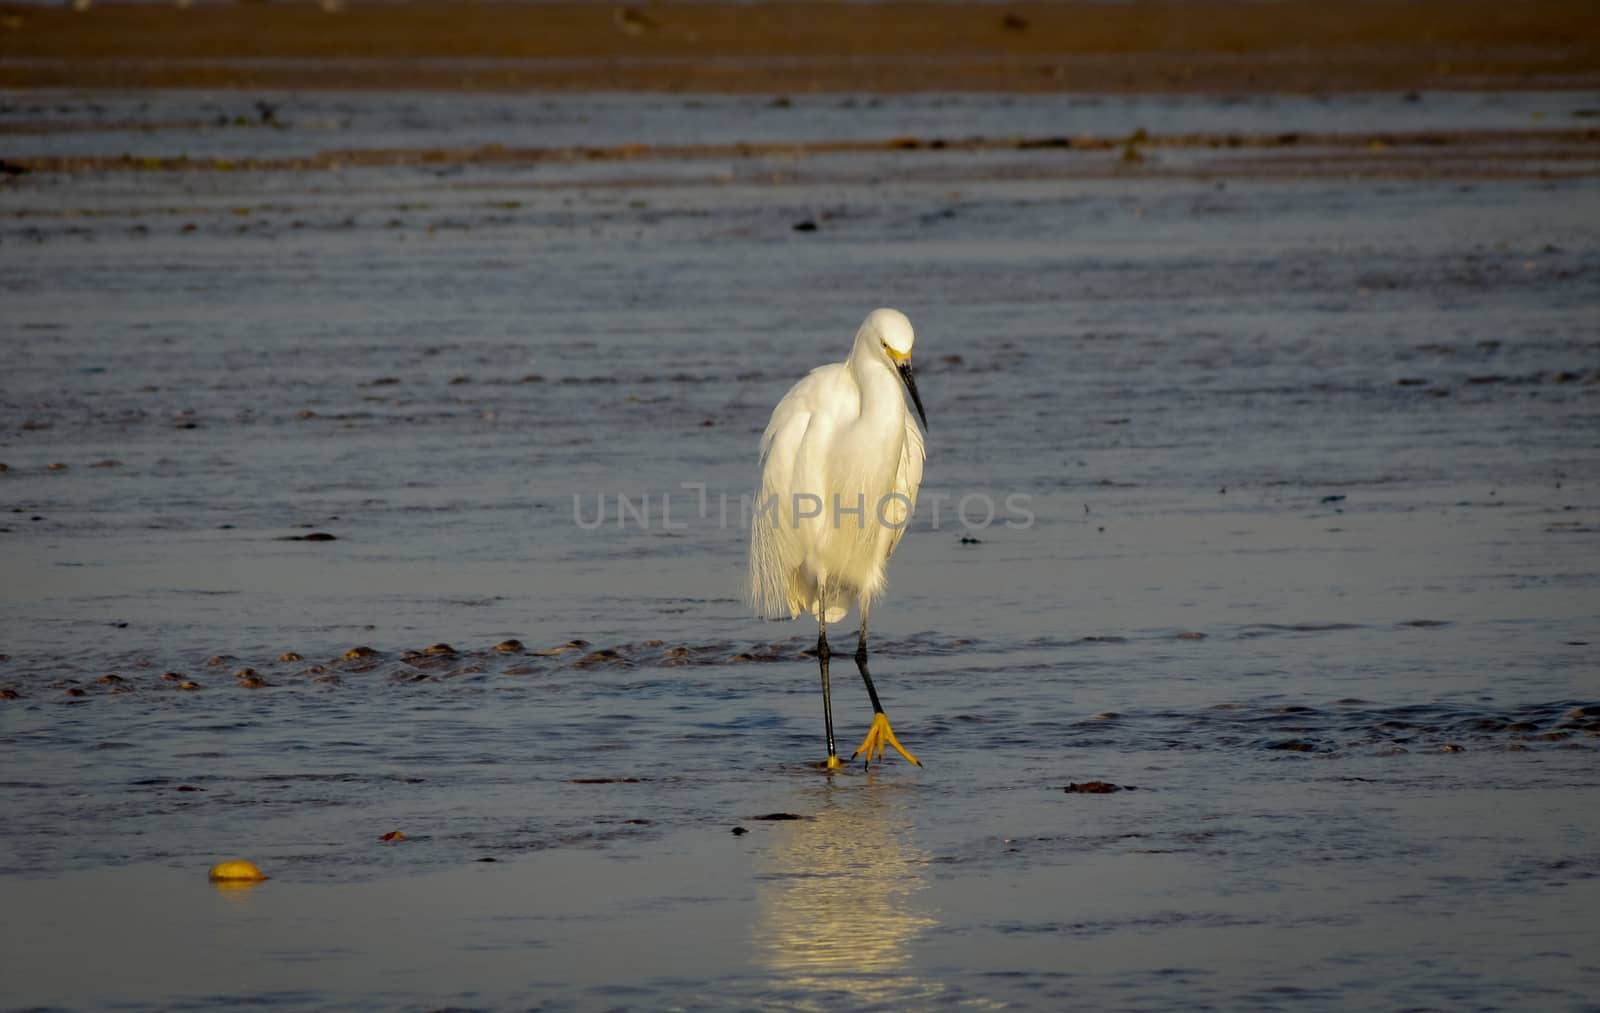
789, 418
908, 477
775, 552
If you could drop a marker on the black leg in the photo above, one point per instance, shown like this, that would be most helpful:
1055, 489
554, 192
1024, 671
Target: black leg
881, 734
861, 666
827, 704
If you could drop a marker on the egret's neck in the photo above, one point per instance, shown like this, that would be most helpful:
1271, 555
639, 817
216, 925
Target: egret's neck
880, 387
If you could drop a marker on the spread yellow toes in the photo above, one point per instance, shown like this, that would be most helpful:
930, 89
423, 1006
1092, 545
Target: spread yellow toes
879, 736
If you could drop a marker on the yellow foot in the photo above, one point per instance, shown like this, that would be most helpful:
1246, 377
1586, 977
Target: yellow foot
834, 763
881, 735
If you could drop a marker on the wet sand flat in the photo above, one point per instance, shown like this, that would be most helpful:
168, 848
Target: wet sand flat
1187, 46
370, 468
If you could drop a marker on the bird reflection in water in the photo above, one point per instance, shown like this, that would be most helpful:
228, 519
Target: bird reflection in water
836, 896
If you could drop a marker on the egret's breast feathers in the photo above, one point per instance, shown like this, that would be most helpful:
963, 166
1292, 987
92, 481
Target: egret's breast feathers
907, 480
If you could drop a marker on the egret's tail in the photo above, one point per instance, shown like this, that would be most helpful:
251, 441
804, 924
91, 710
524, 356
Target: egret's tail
767, 586
776, 586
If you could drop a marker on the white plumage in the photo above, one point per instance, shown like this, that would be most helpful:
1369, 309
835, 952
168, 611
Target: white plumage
840, 440
841, 462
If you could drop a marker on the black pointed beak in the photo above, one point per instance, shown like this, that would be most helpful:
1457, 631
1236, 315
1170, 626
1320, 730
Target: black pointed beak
911, 385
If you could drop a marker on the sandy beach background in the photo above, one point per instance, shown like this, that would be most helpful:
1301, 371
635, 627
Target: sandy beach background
1171, 46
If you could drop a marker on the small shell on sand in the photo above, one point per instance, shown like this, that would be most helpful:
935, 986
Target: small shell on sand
289, 656
509, 646
439, 649
360, 652
188, 684
236, 872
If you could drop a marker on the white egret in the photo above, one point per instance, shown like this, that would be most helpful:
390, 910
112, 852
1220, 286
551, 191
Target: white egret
841, 461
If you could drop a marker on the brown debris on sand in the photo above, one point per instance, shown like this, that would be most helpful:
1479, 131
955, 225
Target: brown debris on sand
1429, 153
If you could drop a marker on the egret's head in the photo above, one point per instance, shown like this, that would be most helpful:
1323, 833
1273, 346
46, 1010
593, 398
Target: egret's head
891, 332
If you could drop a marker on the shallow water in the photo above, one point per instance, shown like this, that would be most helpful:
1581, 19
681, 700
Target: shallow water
1305, 558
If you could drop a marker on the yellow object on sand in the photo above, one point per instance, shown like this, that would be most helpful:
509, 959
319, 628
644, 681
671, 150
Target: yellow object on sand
237, 872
